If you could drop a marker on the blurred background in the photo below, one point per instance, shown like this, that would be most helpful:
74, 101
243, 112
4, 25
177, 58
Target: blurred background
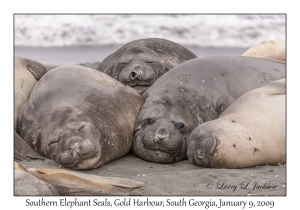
72, 39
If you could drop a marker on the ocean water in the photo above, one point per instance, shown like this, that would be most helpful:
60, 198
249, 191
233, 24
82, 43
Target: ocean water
189, 30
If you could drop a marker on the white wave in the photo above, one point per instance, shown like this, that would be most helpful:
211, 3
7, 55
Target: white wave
198, 30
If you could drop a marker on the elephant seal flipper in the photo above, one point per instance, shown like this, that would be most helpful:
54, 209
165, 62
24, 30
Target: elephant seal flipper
74, 183
22, 151
19, 156
36, 68
249, 133
26, 184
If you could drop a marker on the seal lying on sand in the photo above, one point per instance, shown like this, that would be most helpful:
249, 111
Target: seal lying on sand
273, 50
27, 73
66, 182
79, 117
194, 92
250, 132
139, 63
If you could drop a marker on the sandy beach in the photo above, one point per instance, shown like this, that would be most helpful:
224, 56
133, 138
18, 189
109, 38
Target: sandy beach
185, 179
181, 178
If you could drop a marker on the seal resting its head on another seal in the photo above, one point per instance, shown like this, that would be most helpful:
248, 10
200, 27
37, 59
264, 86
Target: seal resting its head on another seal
79, 117
192, 93
272, 50
139, 63
250, 132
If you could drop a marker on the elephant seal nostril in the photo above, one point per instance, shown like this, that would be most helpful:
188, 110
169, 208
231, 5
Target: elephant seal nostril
69, 158
202, 148
133, 75
200, 154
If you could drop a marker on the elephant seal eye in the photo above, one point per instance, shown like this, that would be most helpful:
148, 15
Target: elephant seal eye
149, 121
180, 126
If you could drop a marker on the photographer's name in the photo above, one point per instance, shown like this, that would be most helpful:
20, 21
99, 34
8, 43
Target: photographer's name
245, 185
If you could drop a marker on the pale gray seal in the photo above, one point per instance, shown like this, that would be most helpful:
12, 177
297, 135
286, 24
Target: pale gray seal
250, 132
272, 49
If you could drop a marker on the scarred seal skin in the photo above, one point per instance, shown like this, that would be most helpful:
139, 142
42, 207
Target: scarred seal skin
271, 49
192, 93
79, 117
139, 63
249, 133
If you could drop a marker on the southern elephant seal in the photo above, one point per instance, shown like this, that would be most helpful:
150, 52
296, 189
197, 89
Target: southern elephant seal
67, 182
79, 117
272, 49
194, 92
139, 63
250, 132
27, 73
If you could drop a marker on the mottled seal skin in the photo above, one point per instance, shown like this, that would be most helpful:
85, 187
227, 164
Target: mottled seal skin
272, 50
139, 63
194, 92
79, 117
249, 133
26, 74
